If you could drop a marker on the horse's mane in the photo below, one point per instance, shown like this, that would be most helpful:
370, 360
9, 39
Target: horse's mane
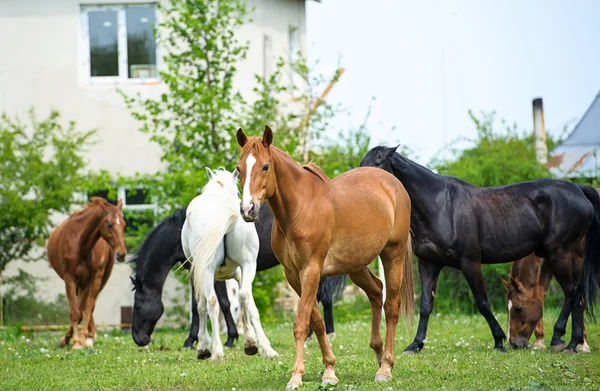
317, 171
140, 257
95, 201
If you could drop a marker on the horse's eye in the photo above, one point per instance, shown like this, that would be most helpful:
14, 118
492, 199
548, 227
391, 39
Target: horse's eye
265, 168
109, 225
518, 309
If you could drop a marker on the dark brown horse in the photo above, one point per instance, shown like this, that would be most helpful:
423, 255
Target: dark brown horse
530, 278
332, 227
82, 252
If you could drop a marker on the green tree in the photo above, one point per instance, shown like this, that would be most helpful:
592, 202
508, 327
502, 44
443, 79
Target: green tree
496, 157
42, 169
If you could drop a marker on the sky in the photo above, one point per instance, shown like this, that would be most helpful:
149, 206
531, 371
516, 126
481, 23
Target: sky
428, 62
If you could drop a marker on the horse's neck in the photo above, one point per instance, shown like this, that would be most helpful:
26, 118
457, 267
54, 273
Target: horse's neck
156, 265
421, 184
90, 233
293, 182
527, 270
157, 270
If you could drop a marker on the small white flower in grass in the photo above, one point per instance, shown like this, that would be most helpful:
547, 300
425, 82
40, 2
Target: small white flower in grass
47, 355
341, 347
232, 388
182, 374
22, 337
135, 361
105, 335
173, 373
454, 360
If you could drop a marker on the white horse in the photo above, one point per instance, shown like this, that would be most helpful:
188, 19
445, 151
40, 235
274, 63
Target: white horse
214, 230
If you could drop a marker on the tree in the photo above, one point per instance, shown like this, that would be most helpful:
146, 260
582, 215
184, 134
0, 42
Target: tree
495, 157
42, 170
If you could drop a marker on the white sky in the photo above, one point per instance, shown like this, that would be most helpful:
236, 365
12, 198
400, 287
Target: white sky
428, 62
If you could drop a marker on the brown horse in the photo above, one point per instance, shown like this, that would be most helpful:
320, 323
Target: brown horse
530, 278
82, 252
332, 227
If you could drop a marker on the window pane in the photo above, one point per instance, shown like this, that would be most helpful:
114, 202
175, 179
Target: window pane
104, 52
104, 194
137, 196
141, 47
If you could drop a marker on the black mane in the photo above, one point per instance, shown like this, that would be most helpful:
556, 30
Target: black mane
162, 235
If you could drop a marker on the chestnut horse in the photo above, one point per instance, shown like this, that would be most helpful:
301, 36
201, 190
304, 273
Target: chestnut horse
530, 278
82, 252
332, 227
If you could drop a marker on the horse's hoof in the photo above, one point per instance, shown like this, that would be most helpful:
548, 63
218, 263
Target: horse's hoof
270, 353
203, 354
407, 352
569, 351
501, 349
291, 386
189, 343
89, 343
77, 346
581, 348
251, 350
539, 346
331, 336
558, 347
381, 378
62, 343
218, 357
330, 380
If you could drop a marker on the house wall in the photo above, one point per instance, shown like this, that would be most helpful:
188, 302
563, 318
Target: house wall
40, 67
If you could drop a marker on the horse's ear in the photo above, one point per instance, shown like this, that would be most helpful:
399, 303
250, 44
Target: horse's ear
393, 150
267, 138
120, 204
211, 175
241, 137
506, 284
236, 174
516, 284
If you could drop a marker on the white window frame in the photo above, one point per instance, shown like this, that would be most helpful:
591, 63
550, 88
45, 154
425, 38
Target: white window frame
122, 194
84, 46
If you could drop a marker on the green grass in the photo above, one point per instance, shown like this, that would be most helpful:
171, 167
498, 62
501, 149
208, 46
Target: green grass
458, 356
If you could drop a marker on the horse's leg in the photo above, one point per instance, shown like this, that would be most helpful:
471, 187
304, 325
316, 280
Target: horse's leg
539, 335
203, 351
584, 347
572, 305
232, 334
248, 271
90, 303
193, 335
472, 271
75, 314
250, 344
318, 326
213, 311
373, 287
82, 299
328, 314
429, 273
393, 258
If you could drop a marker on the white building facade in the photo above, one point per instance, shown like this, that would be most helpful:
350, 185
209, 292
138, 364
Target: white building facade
74, 55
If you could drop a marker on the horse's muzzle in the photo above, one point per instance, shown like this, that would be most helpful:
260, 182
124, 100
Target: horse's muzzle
519, 343
249, 212
120, 257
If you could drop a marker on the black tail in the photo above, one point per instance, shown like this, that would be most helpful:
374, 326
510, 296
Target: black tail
331, 289
591, 255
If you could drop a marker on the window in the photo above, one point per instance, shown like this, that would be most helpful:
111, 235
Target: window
138, 208
118, 44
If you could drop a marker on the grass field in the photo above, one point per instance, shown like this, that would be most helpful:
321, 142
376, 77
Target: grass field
457, 356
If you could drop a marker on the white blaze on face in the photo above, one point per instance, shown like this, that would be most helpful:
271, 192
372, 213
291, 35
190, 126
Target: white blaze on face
509, 307
118, 221
246, 196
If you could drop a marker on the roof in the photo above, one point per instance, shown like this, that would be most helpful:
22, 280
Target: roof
578, 156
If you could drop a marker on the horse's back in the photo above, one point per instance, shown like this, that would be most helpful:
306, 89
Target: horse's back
369, 185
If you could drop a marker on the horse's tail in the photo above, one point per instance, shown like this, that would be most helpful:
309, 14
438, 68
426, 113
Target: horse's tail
591, 254
407, 288
205, 242
331, 289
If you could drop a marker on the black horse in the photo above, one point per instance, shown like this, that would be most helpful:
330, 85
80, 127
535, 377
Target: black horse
462, 226
162, 249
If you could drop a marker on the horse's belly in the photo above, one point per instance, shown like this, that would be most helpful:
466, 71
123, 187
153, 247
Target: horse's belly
349, 259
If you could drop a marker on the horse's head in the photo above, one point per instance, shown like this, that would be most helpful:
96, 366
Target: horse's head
112, 227
147, 310
257, 176
384, 158
222, 181
525, 308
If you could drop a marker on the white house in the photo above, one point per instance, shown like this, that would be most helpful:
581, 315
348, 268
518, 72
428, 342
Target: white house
73, 55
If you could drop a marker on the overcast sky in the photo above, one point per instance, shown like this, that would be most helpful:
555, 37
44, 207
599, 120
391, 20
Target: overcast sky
429, 62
